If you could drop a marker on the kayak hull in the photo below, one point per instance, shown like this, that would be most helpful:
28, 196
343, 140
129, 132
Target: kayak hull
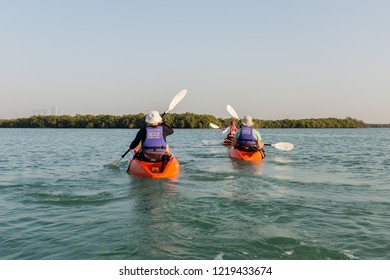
246, 155
155, 170
227, 142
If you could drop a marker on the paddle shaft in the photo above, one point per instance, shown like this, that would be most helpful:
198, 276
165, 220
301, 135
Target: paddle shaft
126, 152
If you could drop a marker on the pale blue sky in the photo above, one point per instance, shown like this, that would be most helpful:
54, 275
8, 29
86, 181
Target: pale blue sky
271, 59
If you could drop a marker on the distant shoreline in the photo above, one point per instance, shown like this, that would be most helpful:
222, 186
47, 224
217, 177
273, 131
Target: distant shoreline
185, 120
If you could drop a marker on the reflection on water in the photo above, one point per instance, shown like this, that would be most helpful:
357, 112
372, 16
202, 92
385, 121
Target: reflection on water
151, 203
280, 159
248, 167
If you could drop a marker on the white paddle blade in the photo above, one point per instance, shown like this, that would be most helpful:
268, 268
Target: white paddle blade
225, 130
114, 164
176, 100
232, 112
211, 142
214, 125
283, 146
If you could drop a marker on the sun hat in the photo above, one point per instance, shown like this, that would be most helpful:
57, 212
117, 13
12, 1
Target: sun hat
153, 117
247, 121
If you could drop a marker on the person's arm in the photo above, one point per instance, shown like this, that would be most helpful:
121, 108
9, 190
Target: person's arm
141, 134
167, 130
259, 144
259, 141
236, 135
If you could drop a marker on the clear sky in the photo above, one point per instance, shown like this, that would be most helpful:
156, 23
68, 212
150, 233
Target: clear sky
271, 59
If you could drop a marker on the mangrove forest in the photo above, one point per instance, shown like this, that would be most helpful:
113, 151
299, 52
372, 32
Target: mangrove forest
185, 120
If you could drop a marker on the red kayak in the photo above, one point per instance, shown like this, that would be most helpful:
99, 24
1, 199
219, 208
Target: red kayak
155, 170
246, 155
227, 142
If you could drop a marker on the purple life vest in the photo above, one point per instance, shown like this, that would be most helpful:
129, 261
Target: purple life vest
154, 141
246, 137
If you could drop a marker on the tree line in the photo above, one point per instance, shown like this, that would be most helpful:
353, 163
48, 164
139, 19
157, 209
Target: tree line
185, 120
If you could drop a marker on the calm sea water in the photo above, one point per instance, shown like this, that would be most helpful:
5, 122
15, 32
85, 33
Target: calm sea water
329, 198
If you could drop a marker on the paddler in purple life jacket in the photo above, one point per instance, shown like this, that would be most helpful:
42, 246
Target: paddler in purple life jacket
150, 141
247, 138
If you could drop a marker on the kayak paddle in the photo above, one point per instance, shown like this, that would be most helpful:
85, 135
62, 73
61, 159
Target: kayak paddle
232, 112
175, 101
216, 126
178, 97
211, 142
283, 146
116, 163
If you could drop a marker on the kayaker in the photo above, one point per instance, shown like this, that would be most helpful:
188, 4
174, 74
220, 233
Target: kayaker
247, 138
232, 130
151, 140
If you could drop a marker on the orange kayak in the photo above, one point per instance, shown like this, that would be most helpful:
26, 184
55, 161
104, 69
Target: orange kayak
245, 155
155, 170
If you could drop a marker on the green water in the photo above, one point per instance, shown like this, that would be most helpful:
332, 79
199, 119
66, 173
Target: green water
329, 198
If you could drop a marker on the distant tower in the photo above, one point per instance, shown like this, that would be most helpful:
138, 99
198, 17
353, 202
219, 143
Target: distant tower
54, 110
41, 112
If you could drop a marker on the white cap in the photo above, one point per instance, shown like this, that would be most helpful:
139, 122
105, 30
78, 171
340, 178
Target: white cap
247, 121
153, 117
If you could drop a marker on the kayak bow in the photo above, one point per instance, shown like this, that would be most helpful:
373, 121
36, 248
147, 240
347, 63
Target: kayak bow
246, 155
155, 170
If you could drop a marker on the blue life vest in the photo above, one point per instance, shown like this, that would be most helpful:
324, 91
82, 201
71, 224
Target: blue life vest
246, 137
154, 141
